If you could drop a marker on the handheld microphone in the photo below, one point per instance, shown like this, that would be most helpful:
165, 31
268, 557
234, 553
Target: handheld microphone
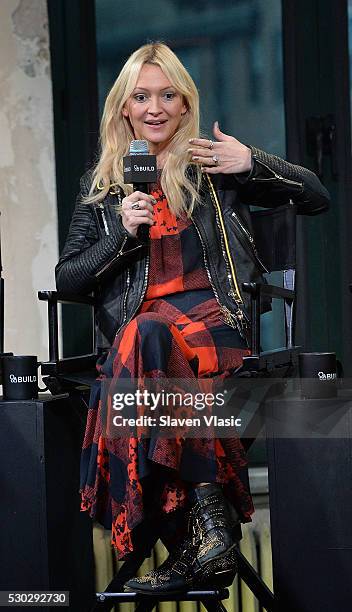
139, 168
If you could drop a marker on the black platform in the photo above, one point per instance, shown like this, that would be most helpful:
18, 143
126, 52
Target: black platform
46, 542
310, 486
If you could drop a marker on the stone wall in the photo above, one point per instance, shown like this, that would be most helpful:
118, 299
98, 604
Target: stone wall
27, 173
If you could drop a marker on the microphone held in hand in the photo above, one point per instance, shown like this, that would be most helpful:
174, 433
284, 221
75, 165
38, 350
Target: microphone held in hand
139, 169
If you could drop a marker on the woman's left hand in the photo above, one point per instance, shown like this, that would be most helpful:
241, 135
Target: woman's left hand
226, 155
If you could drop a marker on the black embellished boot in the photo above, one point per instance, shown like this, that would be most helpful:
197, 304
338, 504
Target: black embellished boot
173, 576
206, 557
216, 530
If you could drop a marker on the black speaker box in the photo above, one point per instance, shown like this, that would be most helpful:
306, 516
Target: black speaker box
46, 542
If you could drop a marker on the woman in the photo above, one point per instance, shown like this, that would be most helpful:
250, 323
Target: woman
172, 308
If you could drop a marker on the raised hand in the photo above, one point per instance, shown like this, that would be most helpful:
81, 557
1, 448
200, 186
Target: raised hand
226, 155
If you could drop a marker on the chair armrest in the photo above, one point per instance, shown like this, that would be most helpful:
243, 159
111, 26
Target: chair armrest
270, 360
66, 298
53, 298
256, 290
271, 290
69, 365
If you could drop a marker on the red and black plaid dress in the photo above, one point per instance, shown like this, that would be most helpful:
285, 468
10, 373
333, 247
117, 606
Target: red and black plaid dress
177, 333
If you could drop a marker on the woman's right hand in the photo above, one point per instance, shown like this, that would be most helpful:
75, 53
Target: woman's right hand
131, 216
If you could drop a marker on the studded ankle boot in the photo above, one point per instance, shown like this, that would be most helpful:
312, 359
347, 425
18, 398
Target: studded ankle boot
216, 530
173, 576
206, 557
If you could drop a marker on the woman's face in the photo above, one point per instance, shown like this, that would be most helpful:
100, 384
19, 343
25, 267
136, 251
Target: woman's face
154, 108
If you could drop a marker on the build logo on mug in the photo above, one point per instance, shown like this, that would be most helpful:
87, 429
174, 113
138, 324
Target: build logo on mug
20, 377
318, 374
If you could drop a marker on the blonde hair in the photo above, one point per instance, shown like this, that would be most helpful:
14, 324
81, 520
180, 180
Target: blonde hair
116, 131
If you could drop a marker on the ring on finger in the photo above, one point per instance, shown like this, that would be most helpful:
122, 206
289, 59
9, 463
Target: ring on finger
215, 160
211, 145
135, 206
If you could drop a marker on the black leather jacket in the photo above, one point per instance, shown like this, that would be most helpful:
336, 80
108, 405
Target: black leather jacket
101, 256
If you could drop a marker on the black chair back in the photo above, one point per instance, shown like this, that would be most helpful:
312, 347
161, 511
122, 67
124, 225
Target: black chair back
275, 236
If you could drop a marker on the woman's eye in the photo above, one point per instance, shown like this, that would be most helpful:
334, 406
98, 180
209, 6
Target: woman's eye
169, 95
140, 97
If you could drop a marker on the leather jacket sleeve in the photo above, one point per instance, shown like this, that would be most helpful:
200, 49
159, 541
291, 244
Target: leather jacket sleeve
273, 181
87, 257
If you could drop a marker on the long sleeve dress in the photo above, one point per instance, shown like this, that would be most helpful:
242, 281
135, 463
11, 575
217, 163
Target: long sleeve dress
177, 332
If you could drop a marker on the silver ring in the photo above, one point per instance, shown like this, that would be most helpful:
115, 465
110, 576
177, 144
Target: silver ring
135, 206
215, 159
211, 145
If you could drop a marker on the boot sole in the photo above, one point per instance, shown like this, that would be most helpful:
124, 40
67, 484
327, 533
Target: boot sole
190, 587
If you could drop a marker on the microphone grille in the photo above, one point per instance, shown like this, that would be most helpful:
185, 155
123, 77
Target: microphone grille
139, 147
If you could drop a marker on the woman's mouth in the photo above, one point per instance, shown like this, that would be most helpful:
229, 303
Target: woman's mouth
156, 123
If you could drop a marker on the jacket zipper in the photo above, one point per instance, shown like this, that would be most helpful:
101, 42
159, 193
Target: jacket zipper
276, 176
124, 302
100, 214
206, 265
235, 292
106, 229
107, 233
237, 320
144, 288
111, 262
250, 238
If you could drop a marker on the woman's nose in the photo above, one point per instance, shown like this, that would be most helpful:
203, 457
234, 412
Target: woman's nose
154, 105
